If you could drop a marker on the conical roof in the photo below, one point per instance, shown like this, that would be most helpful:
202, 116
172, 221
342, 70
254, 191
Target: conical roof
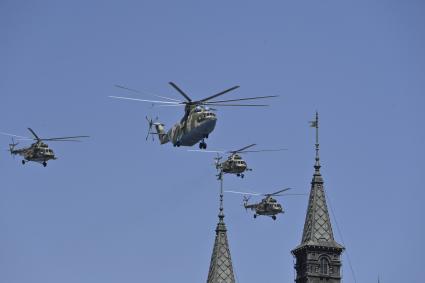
221, 268
317, 226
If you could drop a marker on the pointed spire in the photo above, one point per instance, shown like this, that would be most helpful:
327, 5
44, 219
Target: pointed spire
317, 227
221, 267
316, 125
318, 255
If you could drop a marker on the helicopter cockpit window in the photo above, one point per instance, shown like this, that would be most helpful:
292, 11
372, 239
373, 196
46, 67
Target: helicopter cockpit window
198, 109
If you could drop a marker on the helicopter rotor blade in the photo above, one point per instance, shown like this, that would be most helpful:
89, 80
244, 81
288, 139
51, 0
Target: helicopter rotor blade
263, 150
243, 193
239, 105
34, 134
146, 93
242, 149
55, 140
242, 99
12, 146
218, 94
180, 91
150, 122
16, 136
145, 100
71, 138
284, 195
171, 105
278, 192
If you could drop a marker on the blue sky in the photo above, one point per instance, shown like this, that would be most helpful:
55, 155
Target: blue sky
118, 209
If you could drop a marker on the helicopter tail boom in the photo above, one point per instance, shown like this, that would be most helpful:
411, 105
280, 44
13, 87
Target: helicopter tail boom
160, 131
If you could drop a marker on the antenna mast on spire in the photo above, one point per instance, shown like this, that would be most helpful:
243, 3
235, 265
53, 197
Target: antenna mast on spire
220, 178
315, 124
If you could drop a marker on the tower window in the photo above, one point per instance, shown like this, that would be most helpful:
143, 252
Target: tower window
324, 266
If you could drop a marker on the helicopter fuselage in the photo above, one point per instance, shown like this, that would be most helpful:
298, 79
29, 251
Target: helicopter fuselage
192, 128
37, 152
267, 207
234, 165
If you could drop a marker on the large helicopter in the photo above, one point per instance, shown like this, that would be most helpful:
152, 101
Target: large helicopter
199, 119
38, 151
234, 164
268, 206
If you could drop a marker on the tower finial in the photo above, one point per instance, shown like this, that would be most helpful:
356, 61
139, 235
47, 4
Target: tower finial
315, 124
221, 213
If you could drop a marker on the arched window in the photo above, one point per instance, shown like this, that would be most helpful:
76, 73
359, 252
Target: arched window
324, 266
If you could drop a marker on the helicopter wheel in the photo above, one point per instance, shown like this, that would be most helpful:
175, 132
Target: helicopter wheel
242, 175
238, 175
274, 217
202, 145
255, 215
44, 163
23, 162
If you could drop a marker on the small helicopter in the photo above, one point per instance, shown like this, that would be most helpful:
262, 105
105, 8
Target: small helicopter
38, 151
234, 164
268, 206
199, 119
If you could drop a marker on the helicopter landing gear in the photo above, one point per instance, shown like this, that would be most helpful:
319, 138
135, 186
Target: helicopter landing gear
255, 215
44, 163
202, 145
177, 144
274, 217
240, 175
23, 162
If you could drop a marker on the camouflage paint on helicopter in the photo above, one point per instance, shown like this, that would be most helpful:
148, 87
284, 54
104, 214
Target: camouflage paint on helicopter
198, 121
268, 206
234, 164
38, 151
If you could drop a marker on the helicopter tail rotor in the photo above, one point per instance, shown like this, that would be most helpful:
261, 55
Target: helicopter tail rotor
150, 123
12, 146
160, 131
217, 162
245, 201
